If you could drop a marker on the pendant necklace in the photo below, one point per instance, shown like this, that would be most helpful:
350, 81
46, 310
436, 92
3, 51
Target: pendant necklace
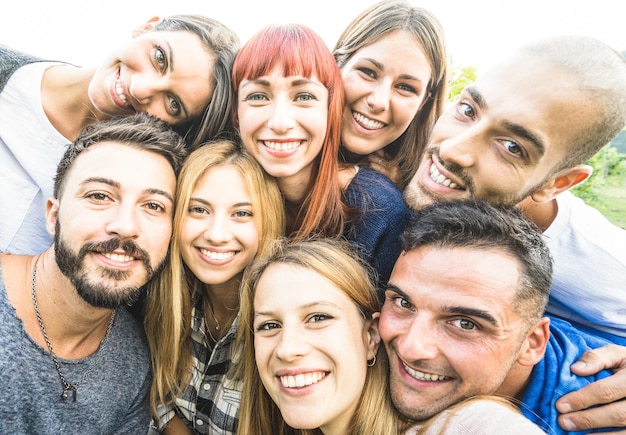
217, 323
67, 386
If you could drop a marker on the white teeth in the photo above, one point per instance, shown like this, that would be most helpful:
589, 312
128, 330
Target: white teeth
281, 146
423, 376
118, 257
218, 256
439, 178
299, 381
366, 122
119, 89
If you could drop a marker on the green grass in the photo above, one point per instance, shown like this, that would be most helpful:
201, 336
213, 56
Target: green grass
610, 199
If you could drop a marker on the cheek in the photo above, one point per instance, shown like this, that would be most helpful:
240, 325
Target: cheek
387, 325
163, 236
189, 230
246, 121
405, 112
262, 351
352, 89
318, 124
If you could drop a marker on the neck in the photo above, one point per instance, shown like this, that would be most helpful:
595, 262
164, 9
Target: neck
65, 99
74, 327
541, 213
224, 297
516, 381
295, 187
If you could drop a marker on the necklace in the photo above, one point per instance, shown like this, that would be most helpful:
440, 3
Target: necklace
67, 386
217, 323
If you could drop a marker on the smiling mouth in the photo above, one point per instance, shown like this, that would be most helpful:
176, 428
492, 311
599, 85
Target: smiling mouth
302, 380
439, 178
281, 146
119, 91
366, 122
218, 256
421, 376
119, 258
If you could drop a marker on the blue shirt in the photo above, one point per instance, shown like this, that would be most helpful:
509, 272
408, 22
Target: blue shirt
552, 378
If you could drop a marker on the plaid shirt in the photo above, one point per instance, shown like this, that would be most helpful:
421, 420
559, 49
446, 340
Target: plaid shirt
210, 403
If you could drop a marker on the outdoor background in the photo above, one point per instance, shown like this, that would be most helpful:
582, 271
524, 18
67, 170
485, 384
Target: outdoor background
478, 32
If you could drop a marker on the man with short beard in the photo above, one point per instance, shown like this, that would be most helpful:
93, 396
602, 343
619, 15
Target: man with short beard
464, 316
73, 358
520, 136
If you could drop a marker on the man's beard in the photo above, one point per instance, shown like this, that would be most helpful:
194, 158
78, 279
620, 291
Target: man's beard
417, 197
99, 294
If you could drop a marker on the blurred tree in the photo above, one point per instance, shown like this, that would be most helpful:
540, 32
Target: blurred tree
461, 76
607, 163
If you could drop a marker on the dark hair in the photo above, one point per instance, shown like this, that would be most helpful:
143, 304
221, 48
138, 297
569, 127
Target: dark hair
141, 131
478, 225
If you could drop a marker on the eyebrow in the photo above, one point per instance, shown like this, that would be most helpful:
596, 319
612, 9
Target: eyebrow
517, 129
301, 307
117, 185
205, 202
481, 314
381, 67
171, 63
296, 82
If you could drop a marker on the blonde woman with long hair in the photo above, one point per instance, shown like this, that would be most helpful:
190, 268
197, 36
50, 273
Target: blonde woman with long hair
228, 211
312, 361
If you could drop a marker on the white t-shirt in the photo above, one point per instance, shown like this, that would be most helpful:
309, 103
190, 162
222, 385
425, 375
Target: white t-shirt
30, 149
589, 281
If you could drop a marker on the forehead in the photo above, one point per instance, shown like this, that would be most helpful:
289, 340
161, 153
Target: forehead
124, 164
398, 49
297, 286
220, 180
482, 278
539, 96
278, 76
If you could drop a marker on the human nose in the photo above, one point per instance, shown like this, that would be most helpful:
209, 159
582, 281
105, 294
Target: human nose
281, 119
124, 222
462, 147
143, 87
418, 342
378, 98
292, 344
217, 230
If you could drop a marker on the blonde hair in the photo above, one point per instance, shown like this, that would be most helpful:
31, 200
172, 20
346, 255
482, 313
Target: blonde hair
172, 295
333, 260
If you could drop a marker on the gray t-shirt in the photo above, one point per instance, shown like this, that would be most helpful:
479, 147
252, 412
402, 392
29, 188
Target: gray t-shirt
111, 400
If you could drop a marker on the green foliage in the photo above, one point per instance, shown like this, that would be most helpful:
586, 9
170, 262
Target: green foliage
460, 77
606, 164
619, 142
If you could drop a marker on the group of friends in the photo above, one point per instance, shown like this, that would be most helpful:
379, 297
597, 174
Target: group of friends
204, 236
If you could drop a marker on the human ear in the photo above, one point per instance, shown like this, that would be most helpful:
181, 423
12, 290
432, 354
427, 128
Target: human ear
147, 26
563, 181
534, 347
52, 214
372, 336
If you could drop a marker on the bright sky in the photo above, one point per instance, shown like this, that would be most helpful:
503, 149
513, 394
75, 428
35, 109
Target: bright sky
84, 32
